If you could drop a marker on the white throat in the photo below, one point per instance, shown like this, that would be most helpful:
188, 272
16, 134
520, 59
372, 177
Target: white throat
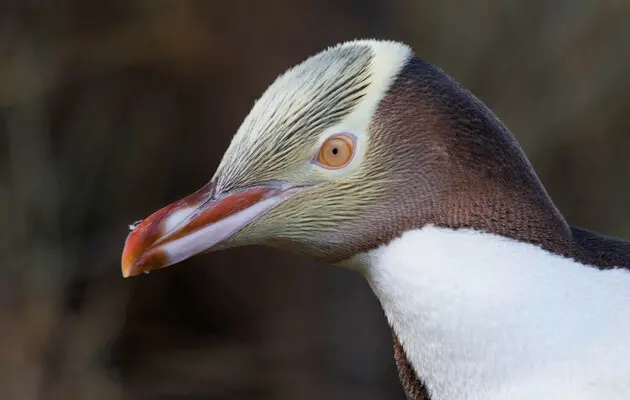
485, 317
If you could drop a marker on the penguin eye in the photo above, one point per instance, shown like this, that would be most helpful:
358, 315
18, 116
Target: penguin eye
337, 151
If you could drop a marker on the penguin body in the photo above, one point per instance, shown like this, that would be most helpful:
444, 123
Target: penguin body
368, 157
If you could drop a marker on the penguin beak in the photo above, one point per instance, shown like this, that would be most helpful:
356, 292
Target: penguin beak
196, 224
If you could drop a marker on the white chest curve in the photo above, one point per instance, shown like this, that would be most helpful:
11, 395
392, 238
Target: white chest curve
485, 317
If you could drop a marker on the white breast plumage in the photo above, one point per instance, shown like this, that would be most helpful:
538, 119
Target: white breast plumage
485, 317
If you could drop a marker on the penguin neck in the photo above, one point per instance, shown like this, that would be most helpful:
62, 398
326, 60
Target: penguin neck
474, 311
525, 214
459, 167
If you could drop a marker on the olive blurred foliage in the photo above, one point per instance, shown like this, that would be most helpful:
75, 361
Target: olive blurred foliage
112, 109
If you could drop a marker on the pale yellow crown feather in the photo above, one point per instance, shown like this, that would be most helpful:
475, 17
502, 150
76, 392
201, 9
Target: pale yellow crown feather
340, 86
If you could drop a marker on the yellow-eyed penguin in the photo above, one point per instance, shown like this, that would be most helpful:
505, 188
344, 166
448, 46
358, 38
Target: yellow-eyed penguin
367, 157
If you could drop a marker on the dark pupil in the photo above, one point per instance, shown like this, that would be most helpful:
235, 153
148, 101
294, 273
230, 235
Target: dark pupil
335, 151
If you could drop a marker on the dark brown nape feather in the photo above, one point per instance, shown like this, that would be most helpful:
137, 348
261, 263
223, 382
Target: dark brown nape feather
474, 175
601, 251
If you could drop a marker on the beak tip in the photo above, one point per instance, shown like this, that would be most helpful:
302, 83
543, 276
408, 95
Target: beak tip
127, 267
145, 262
129, 255
137, 255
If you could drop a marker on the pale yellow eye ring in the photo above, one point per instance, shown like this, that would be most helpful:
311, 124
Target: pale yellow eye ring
337, 151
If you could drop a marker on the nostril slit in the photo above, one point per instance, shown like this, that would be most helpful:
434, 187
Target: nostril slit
213, 189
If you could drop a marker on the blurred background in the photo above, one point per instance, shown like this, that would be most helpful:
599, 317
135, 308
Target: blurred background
110, 110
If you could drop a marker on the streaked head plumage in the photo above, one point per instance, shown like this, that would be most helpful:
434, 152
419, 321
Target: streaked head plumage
334, 92
332, 96
331, 92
